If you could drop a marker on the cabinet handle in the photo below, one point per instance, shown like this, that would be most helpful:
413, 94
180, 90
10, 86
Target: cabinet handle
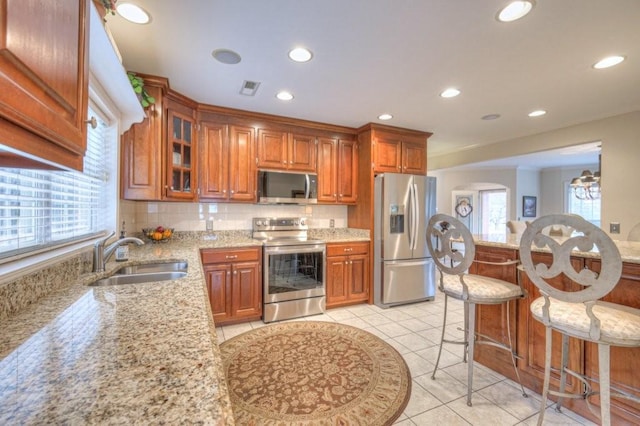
171, 188
232, 192
340, 195
235, 256
334, 194
349, 249
92, 121
290, 162
224, 191
284, 161
235, 272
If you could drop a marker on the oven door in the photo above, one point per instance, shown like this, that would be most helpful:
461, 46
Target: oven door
294, 272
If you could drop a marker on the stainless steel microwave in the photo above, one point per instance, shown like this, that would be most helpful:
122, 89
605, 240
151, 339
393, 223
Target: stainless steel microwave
287, 187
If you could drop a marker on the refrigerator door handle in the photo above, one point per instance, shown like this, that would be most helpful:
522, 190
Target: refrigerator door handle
416, 217
412, 202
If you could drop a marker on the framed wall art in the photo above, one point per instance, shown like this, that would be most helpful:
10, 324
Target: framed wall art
529, 206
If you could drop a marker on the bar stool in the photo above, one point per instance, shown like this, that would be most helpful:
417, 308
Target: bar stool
579, 314
443, 232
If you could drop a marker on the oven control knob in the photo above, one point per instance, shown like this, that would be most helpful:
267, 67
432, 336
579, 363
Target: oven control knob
296, 223
302, 222
259, 223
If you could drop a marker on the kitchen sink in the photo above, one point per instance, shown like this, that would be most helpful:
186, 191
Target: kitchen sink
150, 272
153, 268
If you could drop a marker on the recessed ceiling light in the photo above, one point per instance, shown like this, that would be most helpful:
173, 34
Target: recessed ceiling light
226, 56
450, 93
608, 62
385, 117
491, 117
300, 54
133, 13
284, 96
515, 10
537, 113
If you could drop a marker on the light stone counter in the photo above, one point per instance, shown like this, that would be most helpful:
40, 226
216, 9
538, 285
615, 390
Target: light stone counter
629, 250
136, 353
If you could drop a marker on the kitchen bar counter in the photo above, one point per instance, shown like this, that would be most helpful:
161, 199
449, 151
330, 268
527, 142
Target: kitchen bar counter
629, 250
136, 353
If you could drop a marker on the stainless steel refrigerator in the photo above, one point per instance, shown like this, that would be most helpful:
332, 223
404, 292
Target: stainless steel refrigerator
404, 272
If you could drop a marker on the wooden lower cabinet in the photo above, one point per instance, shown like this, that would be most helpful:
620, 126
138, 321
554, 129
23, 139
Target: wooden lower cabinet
347, 273
233, 284
529, 335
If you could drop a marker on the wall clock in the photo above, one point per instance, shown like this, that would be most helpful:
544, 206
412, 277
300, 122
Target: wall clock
464, 207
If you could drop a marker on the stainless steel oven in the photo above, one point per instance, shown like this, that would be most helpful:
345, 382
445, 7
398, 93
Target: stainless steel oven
294, 269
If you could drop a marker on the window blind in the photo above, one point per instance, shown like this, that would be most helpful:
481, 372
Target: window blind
40, 209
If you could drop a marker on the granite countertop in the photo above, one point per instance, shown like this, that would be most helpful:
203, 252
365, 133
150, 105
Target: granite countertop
629, 250
134, 353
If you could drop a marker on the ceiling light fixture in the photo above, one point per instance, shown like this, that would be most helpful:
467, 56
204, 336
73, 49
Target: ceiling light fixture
537, 113
450, 93
133, 13
385, 117
284, 96
608, 62
226, 56
515, 10
300, 54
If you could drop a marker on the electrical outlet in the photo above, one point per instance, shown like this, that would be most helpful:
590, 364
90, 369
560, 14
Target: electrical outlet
209, 225
614, 228
332, 223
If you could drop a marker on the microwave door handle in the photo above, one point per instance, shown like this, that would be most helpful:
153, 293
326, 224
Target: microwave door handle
307, 186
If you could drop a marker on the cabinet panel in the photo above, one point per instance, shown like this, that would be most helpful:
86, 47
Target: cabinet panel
302, 153
336, 275
359, 279
142, 154
272, 149
387, 155
327, 170
181, 154
242, 177
347, 171
44, 77
218, 279
414, 158
246, 299
214, 162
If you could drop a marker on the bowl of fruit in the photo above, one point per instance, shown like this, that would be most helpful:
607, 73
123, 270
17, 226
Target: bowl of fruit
159, 234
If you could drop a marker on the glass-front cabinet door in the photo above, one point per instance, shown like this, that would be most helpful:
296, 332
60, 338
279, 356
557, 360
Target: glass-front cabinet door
181, 156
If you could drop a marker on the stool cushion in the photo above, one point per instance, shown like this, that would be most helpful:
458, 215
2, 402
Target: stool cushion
619, 325
481, 289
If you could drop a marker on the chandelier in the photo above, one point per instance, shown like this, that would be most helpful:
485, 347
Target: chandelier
586, 186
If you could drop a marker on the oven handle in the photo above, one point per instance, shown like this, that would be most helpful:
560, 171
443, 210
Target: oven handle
314, 248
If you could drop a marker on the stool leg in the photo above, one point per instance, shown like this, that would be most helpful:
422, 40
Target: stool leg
564, 362
547, 374
513, 357
466, 327
605, 383
470, 346
444, 324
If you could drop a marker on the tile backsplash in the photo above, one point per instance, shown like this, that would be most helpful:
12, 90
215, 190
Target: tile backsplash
225, 216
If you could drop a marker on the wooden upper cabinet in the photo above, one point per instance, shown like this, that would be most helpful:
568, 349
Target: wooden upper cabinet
387, 155
337, 171
286, 151
227, 163
414, 158
142, 147
44, 78
181, 152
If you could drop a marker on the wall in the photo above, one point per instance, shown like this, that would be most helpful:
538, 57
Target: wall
620, 137
527, 183
225, 216
552, 182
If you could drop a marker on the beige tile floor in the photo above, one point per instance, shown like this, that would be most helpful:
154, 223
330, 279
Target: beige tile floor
414, 330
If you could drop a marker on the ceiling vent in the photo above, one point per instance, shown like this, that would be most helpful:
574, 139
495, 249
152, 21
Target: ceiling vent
249, 88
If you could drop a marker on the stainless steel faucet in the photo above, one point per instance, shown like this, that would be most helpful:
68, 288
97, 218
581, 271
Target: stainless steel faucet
101, 254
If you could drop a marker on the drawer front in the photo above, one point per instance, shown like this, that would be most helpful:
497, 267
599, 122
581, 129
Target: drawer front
346, 249
230, 255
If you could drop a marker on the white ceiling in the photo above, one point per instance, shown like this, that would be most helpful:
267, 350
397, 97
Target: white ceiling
375, 56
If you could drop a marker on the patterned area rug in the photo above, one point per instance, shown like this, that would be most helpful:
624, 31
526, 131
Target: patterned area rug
314, 373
